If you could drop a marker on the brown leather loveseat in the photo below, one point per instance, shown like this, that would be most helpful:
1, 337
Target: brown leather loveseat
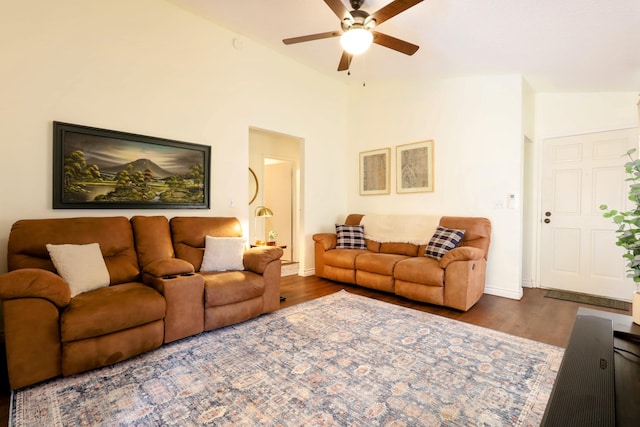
154, 293
399, 265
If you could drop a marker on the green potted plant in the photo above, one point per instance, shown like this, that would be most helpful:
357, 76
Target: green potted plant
628, 232
272, 238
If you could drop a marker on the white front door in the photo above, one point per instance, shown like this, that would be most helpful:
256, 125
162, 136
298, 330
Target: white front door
578, 251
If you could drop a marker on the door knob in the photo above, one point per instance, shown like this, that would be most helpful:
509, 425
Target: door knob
547, 220
547, 213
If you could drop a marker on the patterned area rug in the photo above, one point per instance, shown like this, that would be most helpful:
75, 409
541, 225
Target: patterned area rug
339, 360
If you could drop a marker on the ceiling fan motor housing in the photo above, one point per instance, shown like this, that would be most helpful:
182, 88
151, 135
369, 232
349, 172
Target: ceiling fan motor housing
358, 19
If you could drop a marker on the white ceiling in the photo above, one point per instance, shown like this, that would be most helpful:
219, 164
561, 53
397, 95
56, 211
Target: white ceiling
557, 45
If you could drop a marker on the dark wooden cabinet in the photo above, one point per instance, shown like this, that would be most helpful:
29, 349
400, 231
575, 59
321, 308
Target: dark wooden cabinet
598, 383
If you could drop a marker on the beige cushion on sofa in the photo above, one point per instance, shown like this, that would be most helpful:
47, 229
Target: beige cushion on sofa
416, 229
223, 253
81, 266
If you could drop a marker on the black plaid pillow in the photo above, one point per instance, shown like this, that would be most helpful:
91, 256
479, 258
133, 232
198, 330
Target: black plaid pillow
350, 237
443, 240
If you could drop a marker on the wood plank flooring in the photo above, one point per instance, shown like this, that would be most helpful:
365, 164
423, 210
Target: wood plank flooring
534, 317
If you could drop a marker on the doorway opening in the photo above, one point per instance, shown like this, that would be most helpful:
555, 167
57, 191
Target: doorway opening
577, 244
274, 162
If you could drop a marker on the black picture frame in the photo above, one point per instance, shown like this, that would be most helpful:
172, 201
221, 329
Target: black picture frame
97, 168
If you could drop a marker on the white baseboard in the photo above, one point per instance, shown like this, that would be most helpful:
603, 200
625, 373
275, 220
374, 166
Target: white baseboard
308, 272
517, 295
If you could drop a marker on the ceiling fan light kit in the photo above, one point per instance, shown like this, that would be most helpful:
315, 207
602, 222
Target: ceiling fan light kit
357, 29
356, 40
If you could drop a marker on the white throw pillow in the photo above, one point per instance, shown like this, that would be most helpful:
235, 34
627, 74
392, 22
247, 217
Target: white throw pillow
223, 253
82, 266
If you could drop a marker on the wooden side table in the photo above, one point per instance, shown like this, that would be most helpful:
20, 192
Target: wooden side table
256, 245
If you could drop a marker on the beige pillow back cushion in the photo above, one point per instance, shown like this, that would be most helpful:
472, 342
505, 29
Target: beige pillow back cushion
81, 266
223, 253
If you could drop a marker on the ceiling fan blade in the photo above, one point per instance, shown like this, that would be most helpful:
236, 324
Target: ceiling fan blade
345, 61
338, 8
311, 37
392, 9
394, 43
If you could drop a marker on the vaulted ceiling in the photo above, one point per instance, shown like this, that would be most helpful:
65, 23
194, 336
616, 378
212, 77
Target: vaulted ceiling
557, 45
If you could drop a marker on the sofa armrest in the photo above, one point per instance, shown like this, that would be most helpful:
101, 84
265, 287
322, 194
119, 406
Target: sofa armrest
465, 253
327, 240
32, 340
323, 242
465, 269
168, 267
183, 290
35, 283
32, 299
257, 259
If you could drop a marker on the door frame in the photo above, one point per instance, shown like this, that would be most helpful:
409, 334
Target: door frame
294, 205
538, 217
269, 149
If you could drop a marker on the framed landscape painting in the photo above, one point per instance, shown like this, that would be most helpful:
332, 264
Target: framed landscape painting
106, 169
374, 171
414, 167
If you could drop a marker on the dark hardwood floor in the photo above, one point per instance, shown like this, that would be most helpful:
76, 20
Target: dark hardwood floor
534, 317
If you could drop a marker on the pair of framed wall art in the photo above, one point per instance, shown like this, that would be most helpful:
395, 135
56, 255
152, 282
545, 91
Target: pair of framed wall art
414, 169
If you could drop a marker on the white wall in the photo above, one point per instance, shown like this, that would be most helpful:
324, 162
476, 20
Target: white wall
529, 189
149, 67
564, 114
476, 123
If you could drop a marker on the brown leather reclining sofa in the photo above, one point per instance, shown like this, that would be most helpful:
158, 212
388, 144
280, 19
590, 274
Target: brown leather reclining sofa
155, 295
457, 280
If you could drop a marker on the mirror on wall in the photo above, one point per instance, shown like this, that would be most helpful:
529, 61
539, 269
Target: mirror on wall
253, 186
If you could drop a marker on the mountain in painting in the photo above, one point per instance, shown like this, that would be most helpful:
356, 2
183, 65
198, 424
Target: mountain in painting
141, 165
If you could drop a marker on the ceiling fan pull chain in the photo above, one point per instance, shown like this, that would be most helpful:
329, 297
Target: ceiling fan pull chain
364, 69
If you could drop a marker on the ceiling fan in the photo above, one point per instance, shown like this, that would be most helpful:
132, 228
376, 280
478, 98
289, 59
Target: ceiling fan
357, 32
